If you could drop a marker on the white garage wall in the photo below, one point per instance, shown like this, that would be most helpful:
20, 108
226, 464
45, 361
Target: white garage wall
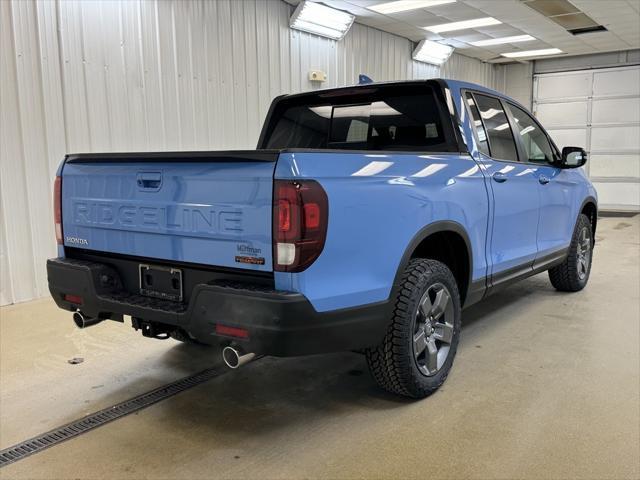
598, 109
80, 76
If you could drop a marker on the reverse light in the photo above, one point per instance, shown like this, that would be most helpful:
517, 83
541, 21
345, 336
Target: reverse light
285, 253
432, 52
300, 216
57, 208
321, 20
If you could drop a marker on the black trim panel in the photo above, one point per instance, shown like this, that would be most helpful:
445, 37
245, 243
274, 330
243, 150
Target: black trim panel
476, 292
510, 276
593, 220
441, 226
278, 323
198, 156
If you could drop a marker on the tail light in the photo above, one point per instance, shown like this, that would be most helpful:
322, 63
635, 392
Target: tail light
300, 216
57, 208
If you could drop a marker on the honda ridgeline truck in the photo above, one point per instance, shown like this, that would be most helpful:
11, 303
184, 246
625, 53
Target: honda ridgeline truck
367, 218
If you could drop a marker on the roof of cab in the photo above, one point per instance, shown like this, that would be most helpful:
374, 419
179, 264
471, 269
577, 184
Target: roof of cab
459, 85
455, 85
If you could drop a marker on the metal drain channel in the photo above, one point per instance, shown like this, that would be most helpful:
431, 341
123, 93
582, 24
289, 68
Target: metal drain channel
94, 420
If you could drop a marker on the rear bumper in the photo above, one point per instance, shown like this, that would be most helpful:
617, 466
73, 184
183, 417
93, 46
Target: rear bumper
279, 323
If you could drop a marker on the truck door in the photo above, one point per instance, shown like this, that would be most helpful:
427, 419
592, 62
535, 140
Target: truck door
557, 188
514, 224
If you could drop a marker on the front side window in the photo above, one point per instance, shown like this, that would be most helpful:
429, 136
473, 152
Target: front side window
501, 143
536, 144
404, 119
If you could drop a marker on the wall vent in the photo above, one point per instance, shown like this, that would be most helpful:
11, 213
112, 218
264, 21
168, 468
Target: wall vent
582, 31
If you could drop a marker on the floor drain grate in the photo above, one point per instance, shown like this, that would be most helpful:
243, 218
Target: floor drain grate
97, 419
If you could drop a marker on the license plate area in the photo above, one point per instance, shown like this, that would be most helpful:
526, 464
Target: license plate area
161, 282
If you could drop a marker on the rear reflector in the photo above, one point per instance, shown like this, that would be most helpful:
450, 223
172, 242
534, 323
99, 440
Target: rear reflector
76, 299
231, 331
300, 216
57, 208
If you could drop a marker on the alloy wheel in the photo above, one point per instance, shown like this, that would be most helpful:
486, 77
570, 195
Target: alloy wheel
434, 327
584, 253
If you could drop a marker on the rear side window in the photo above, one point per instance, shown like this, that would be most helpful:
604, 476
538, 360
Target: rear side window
501, 143
388, 121
477, 124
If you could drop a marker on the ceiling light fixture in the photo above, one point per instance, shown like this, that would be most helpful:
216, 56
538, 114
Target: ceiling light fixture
449, 27
321, 20
503, 40
533, 53
405, 5
432, 52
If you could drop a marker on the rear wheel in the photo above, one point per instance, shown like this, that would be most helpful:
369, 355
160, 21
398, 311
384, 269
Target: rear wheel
573, 274
417, 352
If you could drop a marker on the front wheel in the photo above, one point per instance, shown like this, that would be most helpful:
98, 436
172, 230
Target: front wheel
572, 275
417, 352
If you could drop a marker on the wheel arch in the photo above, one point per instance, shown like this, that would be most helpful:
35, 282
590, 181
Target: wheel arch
444, 241
590, 208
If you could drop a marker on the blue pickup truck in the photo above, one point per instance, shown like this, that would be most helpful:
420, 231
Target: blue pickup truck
367, 218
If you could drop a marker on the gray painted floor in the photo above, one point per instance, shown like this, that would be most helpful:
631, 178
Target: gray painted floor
545, 385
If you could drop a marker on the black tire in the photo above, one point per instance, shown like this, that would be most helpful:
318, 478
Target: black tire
393, 364
572, 275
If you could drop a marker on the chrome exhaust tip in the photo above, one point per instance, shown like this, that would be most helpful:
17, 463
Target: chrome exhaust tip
83, 322
234, 358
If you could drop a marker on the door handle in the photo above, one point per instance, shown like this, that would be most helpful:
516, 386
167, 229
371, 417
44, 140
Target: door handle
499, 177
543, 179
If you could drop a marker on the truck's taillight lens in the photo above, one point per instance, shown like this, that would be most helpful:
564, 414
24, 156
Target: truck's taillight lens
57, 208
300, 216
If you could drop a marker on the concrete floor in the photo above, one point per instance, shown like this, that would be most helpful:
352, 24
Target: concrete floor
545, 385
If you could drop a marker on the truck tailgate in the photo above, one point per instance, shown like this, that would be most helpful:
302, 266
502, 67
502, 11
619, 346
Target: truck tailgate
211, 208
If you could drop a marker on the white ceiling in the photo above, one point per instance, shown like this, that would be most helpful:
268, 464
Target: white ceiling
620, 17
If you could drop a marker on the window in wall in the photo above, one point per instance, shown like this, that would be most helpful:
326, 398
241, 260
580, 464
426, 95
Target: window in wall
536, 144
477, 124
501, 143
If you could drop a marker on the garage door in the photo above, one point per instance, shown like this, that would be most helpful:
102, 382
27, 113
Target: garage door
599, 110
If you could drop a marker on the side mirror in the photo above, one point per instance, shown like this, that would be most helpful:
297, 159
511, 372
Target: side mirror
573, 157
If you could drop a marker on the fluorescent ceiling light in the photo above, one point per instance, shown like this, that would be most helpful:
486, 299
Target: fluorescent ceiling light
532, 53
449, 27
321, 20
404, 5
432, 52
503, 40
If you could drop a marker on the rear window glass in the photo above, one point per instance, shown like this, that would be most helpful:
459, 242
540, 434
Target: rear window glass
394, 121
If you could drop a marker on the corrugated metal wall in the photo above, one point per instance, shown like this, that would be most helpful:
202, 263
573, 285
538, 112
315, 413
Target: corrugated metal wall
81, 76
